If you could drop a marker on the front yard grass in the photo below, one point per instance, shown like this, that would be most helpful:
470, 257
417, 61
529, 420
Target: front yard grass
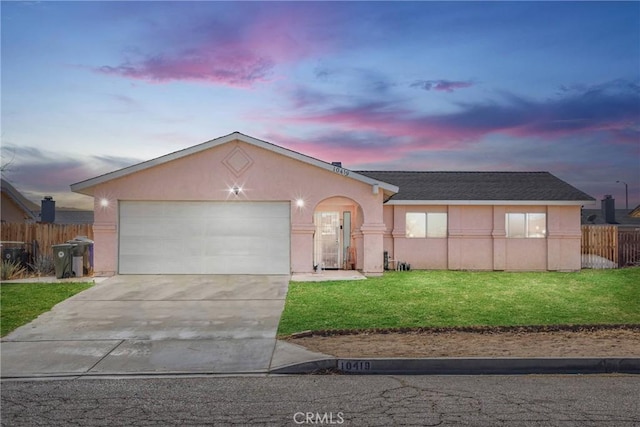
20, 303
415, 299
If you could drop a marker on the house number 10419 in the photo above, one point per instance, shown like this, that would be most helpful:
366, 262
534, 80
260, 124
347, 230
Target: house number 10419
341, 171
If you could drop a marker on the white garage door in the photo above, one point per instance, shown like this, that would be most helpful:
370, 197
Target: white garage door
204, 238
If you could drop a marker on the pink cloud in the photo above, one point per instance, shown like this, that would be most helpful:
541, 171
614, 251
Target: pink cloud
610, 109
238, 70
243, 51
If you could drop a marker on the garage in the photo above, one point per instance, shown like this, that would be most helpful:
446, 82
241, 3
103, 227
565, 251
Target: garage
221, 237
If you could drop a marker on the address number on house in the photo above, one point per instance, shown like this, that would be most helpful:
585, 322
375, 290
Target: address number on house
341, 171
354, 365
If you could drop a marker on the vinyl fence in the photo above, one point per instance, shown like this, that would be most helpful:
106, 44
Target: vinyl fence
609, 246
38, 237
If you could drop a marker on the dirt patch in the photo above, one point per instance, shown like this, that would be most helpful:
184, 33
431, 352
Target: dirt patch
607, 341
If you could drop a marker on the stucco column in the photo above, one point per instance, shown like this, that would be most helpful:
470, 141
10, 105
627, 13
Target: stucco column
302, 247
499, 235
373, 242
105, 249
454, 242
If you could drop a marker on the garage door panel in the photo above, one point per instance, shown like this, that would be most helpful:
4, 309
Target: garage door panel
204, 238
237, 246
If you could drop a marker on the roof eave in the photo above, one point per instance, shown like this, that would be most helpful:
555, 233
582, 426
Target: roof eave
493, 202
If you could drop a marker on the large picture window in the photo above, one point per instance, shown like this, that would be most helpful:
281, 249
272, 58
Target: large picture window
426, 224
526, 225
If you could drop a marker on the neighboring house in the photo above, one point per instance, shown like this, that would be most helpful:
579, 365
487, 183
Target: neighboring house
70, 216
240, 205
608, 214
15, 207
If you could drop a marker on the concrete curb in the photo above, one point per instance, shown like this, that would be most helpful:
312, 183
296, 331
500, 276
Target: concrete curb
467, 366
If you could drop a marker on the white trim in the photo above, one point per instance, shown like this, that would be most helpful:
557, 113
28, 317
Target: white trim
493, 202
84, 187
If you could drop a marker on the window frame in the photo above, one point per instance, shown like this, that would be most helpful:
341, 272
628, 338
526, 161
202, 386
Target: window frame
429, 231
528, 222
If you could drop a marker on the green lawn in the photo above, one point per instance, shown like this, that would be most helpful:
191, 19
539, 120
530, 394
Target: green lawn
20, 303
456, 298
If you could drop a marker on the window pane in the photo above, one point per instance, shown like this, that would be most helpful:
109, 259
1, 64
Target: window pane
416, 223
437, 225
515, 225
536, 225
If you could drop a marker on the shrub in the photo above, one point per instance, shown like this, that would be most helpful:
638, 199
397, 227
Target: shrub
43, 265
11, 270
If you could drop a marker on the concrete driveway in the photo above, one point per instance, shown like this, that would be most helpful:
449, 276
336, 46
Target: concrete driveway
154, 324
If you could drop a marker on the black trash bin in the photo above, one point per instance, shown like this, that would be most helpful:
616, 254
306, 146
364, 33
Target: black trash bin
13, 254
62, 257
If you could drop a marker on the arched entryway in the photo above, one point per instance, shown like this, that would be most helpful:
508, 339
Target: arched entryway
336, 245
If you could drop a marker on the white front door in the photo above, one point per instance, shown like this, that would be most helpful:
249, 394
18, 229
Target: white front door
169, 237
327, 240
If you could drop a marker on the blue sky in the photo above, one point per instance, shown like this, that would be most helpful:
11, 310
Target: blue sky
90, 87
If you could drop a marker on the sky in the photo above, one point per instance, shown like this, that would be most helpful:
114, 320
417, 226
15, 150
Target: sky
89, 87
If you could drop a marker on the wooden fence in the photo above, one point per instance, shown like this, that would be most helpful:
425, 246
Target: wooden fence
628, 247
608, 246
44, 234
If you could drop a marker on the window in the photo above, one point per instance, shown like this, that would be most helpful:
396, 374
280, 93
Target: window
421, 224
530, 225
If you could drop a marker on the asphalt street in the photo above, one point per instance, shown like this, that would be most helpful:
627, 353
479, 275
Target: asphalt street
535, 400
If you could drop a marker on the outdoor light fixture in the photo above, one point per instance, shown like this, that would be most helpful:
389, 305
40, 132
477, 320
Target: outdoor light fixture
235, 190
104, 202
300, 203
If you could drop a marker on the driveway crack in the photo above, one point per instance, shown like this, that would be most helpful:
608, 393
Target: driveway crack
103, 357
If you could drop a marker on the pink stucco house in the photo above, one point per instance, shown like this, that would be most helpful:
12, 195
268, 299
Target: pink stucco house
240, 205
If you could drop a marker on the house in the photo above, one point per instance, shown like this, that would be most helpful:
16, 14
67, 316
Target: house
16, 208
608, 214
70, 216
240, 205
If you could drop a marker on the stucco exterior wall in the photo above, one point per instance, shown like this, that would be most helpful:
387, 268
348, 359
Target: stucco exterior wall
421, 253
477, 240
263, 175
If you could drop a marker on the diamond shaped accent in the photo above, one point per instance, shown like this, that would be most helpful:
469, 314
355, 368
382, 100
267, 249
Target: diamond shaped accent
237, 161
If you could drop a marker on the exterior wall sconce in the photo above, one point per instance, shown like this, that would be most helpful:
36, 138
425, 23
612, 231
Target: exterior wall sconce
235, 190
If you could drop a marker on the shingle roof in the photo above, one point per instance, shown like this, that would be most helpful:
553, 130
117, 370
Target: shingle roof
623, 217
490, 186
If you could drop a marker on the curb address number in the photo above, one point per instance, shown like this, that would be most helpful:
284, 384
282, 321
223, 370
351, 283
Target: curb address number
354, 365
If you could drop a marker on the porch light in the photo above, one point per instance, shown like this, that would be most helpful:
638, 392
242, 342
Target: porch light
104, 202
300, 203
235, 190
